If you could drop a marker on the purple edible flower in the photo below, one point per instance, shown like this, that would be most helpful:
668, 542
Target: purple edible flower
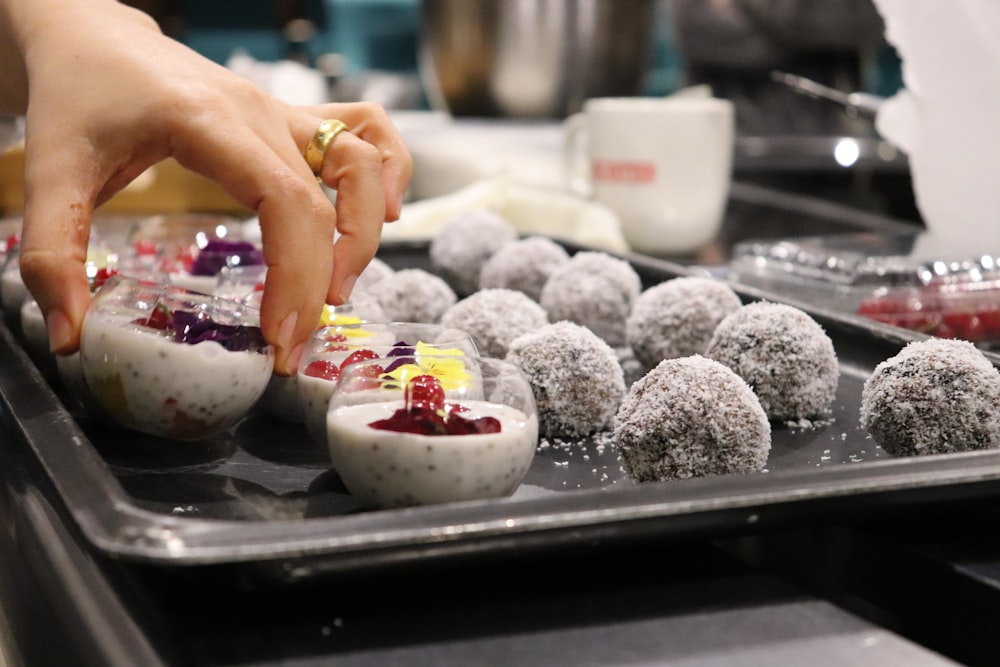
220, 253
193, 328
403, 353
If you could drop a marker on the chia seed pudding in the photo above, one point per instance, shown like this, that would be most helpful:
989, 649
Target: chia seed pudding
146, 377
390, 469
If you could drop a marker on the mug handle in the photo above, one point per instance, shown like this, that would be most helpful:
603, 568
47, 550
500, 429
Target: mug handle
576, 164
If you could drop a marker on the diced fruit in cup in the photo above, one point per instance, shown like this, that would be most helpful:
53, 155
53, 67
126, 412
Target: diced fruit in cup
969, 316
159, 319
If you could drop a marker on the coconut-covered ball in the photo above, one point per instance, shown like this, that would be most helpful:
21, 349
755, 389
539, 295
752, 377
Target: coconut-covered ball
783, 354
576, 378
593, 289
677, 318
524, 265
935, 396
463, 244
376, 271
495, 317
413, 295
691, 417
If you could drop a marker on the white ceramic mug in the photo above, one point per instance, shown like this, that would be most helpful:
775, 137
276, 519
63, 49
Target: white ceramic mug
663, 165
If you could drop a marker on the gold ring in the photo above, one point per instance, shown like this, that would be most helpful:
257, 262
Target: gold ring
324, 136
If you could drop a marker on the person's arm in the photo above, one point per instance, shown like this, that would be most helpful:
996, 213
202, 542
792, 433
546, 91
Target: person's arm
111, 96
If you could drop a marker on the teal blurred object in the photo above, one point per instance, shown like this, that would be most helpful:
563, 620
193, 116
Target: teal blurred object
373, 34
368, 34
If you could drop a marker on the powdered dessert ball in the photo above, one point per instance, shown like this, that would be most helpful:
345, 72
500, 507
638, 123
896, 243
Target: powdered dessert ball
495, 317
935, 396
464, 243
524, 265
677, 318
783, 354
413, 295
593, 289
691, 417
576, 378
376, 271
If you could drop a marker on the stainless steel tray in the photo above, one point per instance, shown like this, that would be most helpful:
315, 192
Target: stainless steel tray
263, 495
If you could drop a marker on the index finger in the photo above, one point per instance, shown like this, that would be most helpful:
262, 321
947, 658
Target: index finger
297, 223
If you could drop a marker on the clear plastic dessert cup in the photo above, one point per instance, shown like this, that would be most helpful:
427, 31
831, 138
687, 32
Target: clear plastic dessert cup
281, 398
333, 348
405, 437
35, 336
170, 362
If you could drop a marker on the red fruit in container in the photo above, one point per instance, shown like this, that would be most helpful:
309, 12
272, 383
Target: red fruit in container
424, 391
363, 354
333, 338
324, 369
373, 371
159, 318
990, 318
145, 248
103, 274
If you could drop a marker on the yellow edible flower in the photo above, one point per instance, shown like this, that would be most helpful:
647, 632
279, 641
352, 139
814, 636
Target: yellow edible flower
330, 317
446, 364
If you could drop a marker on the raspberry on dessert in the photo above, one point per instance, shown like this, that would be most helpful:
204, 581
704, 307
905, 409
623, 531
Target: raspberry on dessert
424, 391
103, 274
145, 247
324, 369
363, 354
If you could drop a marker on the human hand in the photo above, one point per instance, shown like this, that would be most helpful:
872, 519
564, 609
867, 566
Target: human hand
111, 96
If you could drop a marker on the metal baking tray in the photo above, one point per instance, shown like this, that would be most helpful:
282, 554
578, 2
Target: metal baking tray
263, 496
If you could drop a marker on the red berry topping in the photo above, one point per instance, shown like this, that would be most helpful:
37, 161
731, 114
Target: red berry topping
424, 391
324, 369
103, 274
424, 421
370, 374
364, 354
333, 338
145, 247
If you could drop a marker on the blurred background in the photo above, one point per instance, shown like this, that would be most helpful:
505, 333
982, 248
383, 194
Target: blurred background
533, 60
528, 63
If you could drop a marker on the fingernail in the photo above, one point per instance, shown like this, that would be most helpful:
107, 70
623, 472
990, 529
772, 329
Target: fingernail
286, 330
347, 287
59, 330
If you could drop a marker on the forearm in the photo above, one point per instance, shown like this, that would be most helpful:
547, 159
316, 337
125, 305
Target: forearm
25, 22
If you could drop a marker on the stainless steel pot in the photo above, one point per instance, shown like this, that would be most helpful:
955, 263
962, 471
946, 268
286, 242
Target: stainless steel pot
532, 58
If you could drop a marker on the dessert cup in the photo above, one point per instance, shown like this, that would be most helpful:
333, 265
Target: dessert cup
405, 437
171, 362
334, 347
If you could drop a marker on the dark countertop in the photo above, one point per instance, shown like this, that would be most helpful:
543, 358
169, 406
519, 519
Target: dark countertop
893, 587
